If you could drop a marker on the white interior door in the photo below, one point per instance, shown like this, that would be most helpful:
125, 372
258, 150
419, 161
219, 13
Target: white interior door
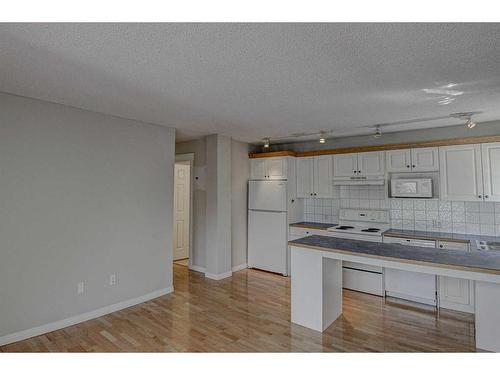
461, 175
323, 184
398, 160
491, 171
305, 177
181, 211
425, 159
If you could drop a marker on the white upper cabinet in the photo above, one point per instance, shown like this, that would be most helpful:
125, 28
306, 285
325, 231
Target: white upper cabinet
361, 164
413, 160
305, 177
323, 184
461, 174
345, 165
425, 159
491, 171
268, 168
258, 169
398, 160
371, 163
314, 177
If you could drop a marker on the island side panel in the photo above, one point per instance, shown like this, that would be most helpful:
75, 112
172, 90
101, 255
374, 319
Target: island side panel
488, 316
332, 291
316, 291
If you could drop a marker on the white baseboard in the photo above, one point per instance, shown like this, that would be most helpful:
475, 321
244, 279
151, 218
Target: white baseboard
220, 276
54, 326
239, 268
197, 268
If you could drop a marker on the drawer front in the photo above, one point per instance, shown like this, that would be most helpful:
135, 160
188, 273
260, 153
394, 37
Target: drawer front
450, 245
295, 233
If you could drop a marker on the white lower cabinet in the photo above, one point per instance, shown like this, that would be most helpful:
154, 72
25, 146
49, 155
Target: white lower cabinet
455, 294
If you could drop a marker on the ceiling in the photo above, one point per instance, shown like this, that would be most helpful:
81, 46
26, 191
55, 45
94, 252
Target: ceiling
251, 81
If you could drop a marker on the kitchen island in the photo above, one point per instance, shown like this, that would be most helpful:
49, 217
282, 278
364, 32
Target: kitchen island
316, 295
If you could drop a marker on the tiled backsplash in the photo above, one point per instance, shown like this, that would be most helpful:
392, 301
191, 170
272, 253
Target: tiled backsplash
413, 214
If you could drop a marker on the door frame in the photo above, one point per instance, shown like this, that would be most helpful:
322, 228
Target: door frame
188, 157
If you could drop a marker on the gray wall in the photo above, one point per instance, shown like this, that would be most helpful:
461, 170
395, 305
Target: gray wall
449, 132
82, 196
198, 148
240, 173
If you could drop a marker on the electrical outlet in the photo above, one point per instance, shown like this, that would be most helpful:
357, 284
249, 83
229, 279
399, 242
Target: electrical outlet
112, 279
80, 288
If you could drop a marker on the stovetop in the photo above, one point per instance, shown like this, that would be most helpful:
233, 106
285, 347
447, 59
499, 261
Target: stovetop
358, 229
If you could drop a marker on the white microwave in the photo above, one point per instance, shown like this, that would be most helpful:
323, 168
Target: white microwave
411, 188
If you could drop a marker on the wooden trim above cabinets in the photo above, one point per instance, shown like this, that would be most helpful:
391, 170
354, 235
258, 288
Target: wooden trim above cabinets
397, 146
273, 154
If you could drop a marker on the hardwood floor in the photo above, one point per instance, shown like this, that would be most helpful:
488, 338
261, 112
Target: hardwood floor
250, 312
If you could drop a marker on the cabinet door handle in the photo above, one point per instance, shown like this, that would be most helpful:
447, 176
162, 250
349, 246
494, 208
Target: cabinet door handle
480, 196
413, 166
407, 166
441, 246
486, 197
355, 171
359, 171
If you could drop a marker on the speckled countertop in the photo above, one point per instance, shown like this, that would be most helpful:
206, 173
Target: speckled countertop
473, 260
312, 225
421, 235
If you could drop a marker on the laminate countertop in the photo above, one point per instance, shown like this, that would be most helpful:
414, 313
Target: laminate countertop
312, 225
474, 260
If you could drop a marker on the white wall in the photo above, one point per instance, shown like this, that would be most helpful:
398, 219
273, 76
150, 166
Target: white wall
82, 195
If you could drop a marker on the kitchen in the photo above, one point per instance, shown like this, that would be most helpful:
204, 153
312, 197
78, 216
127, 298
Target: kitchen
433, 198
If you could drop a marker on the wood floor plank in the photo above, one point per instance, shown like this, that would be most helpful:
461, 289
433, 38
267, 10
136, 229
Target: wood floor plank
250, 312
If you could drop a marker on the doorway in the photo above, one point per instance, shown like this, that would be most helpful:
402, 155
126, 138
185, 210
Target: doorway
182, 210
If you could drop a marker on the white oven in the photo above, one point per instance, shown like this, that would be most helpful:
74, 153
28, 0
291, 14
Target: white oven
411, 188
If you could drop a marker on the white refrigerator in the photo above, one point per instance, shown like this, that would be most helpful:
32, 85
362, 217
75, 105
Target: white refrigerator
268, 226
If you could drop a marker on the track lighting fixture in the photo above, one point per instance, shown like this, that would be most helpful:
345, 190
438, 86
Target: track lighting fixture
322, 138
467, 117
266, 142
470, 124
378, 132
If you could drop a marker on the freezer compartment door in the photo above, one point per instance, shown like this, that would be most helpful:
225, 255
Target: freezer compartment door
267, 241
267, 195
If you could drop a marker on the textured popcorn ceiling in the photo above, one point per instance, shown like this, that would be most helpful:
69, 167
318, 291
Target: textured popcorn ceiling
254, 80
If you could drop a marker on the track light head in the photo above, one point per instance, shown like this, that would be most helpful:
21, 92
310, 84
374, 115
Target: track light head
378, 132
266, 142
322, 138
470, 124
